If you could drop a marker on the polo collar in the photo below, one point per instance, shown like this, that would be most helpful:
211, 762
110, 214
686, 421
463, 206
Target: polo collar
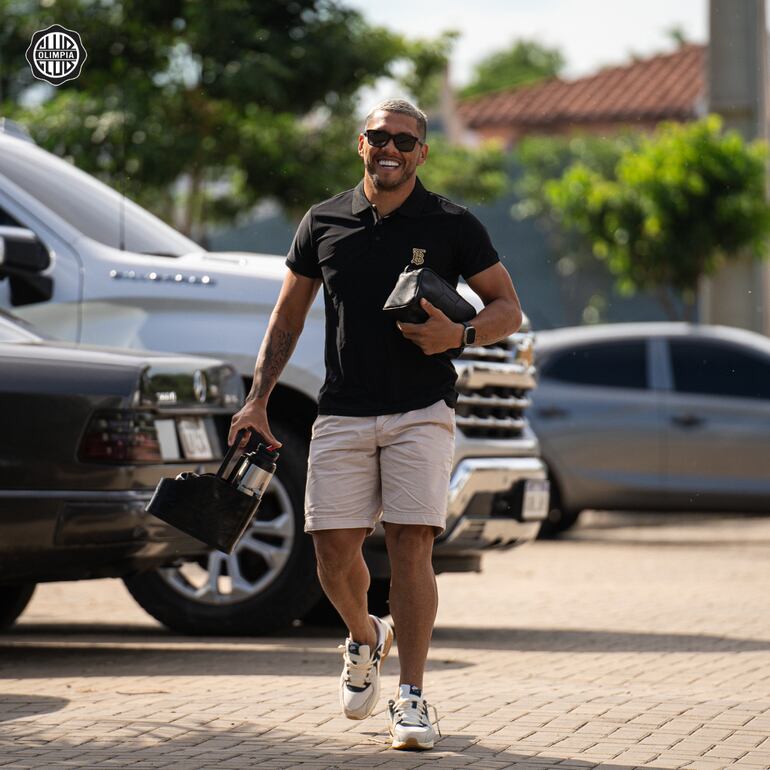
411, 207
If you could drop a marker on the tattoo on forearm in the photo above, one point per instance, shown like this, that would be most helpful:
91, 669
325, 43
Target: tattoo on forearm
278, 349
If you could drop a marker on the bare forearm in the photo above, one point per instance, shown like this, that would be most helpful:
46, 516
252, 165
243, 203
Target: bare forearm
496, 321
276, 349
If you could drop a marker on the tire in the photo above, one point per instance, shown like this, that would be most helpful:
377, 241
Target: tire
274, 561
13, 601
324, 614
559, 518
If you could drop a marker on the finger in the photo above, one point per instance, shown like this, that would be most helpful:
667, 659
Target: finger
271, 440
265, 435
430, 309
232, 436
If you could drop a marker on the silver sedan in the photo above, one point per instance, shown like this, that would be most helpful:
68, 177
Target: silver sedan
653, 417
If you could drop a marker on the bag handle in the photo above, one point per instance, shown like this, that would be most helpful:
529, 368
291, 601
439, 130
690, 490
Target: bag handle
231, 451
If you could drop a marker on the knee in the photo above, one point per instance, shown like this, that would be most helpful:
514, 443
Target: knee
409, 545
336, 552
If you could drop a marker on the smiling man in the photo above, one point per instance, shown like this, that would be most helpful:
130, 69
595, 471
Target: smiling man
383, 442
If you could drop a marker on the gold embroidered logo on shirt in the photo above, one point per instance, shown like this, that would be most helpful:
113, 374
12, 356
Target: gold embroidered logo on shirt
418, 256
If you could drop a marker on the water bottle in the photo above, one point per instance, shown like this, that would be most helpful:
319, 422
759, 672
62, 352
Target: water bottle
255, 471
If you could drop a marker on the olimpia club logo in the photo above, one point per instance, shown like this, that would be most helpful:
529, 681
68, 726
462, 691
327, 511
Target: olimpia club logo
56, 54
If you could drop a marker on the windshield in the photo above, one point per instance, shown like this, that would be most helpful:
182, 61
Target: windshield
90, 206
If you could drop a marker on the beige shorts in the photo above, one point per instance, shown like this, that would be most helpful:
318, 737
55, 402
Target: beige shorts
392, 466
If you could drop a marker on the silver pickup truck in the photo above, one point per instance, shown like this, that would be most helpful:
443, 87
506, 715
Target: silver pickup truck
84, 264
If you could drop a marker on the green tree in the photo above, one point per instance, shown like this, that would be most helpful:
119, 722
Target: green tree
524, 63
428, 60
250, 95
476, 175
198, 111
673, 209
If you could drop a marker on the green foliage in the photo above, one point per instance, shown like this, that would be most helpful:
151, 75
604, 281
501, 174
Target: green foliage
428, 60
473, 175
524, 63
669, 210
247, 98
543, 158
199, 110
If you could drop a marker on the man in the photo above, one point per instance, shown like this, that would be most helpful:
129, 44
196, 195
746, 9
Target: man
383, 442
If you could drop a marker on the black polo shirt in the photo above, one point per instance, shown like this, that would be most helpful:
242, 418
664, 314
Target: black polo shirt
371, 368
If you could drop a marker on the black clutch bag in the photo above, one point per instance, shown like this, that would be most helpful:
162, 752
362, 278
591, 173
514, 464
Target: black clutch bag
413, 285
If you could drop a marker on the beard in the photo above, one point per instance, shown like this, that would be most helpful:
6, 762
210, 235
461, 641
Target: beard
391, 182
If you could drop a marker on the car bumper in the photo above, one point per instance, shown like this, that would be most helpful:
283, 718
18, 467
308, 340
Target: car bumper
69, 535
472, 520
475, 521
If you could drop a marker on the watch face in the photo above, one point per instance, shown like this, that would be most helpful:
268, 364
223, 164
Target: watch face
470, 335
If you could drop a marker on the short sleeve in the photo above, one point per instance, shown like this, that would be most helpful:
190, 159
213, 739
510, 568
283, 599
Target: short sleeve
302, 257
476, 250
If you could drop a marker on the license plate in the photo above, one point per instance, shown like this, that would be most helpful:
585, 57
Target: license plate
535, 504
169, 445
194, 439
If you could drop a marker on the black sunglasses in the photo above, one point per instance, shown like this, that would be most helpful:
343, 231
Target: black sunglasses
403, 142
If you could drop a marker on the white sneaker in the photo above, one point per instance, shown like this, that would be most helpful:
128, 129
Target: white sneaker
409, 724
360, 680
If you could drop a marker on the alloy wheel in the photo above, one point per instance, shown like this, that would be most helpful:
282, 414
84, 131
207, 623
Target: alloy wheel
257, 561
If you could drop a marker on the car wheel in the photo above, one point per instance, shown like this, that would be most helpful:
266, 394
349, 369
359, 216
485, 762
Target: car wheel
559, 518
13, 601
324, 614
268, 581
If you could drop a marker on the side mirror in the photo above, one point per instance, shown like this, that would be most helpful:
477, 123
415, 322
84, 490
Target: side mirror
20, 249
22, 258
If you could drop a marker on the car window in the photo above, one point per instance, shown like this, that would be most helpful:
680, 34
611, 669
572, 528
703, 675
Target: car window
610, 364
719, 369
15, 330
7, 220
90, 206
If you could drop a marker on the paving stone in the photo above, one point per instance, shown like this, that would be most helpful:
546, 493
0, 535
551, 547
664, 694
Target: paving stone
622, 646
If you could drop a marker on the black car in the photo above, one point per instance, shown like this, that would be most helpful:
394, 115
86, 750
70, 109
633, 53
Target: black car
85, 435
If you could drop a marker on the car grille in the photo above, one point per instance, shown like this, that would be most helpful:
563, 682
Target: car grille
493, 385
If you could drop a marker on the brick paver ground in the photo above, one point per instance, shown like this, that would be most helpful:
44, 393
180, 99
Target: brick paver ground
628, 645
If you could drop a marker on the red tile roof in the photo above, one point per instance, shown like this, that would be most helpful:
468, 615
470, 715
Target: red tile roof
667, 86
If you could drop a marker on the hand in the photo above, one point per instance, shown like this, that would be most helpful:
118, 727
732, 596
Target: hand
253, 414
437, 334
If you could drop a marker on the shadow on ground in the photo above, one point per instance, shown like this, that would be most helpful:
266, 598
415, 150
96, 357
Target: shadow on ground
665, 528
250, 744
129, 651
585, 640
16, 705
108, 656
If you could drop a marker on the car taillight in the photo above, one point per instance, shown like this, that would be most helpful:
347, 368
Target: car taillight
121, 436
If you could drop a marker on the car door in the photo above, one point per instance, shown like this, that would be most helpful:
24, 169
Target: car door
718, 424
599, 422
59, 315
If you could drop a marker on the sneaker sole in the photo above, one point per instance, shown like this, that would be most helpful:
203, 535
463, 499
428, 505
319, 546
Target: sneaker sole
411, 744
385, 650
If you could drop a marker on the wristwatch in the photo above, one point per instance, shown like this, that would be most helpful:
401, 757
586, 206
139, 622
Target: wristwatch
469, 334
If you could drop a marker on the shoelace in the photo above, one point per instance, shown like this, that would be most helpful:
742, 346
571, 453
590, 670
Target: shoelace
356, 674
407, 711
